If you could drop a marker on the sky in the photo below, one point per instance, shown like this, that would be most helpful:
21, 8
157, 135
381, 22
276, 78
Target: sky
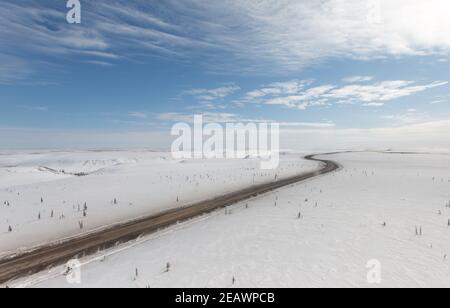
333, 73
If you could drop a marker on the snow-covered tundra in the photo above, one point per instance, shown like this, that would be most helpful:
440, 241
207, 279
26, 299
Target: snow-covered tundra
47, 196
383, 220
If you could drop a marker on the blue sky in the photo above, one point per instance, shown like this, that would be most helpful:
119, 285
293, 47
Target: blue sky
136, 67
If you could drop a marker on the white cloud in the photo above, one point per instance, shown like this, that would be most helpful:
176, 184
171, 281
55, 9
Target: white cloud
100, 54
251, 35
207, 105
293, 34
412, 116
437, 101
136, 14
381, 92
43, 29
278, 88
110, 30
357, 79
440, 99
13, 70
424, 136
100, 63
212, 94
375, 95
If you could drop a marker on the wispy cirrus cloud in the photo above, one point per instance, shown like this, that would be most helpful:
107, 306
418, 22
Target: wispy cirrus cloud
212, 94
302, 97
278, 88
110, 31
291, 34
357, 79
13, 70
42, 29
245, 36
381, 92
411, 116
211, 99
421, 136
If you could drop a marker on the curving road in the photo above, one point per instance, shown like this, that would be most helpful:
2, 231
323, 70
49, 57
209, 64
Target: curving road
46, 256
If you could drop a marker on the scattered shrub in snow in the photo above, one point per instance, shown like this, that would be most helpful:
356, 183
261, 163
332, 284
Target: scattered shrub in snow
419, 231
167, 267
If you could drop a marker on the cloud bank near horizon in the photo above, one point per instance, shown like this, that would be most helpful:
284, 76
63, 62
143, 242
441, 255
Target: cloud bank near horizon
428, 135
